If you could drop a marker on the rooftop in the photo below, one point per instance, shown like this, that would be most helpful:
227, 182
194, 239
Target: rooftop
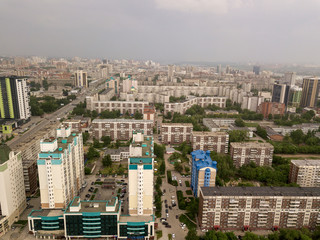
93, 206
62, 142
127, 218
250, 144
46, 213
4, 153
121, 120
146, 145
176, 124
198, 133
260, 191
112, 151
306, 162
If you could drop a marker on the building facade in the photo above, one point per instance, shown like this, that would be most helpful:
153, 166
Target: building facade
203, 172
90, 219
280, 93
14, 98
80, 79
12, 197
310, 91
245, 152
182, 107
306, 173
258, 208
213, 141
120, 129
176, 133
60, 168
272, 108
140, 175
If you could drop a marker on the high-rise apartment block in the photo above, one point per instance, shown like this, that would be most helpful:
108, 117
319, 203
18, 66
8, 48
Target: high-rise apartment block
245, 152
80, 79
295, 95
310, 91
170, 72
14, 98
12, 197
256, 70
176, 133
60, 168
213, 141
290, 78
280, 93
306, 172
141, 175
114, 84
120, 129
258, 208
204, 171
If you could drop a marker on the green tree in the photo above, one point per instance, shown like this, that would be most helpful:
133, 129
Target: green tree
138, 115
270, 117
239, 122
297, 136
85, 137
159, 150
92, 153
238, 136
87, 171
96, 143
106, 161
262, 132
192, 235
106, 140
178, 167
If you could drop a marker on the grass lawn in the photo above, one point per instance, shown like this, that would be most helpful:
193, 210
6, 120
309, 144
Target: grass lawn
170, 236
159, 234
187, 183
189, 192
186, 221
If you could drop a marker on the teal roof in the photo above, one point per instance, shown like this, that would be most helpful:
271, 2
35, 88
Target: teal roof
4, 153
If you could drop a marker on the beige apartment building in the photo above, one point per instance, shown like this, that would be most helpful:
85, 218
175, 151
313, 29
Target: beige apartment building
258, 208
213, 141
176, 133
306, 172
120, 129
245, 152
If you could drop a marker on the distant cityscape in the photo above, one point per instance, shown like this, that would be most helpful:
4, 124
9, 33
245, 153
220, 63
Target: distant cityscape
126, 149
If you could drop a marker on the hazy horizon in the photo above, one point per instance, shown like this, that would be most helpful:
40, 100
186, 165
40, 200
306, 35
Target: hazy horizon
170, 31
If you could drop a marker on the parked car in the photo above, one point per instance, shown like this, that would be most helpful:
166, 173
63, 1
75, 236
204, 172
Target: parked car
167, 210
168, 226
88, 195
170, 207
166, 205
177, 216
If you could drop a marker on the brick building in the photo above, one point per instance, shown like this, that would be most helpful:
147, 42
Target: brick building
306, 172
213, 141
246, 152
176, 133
272, 108
258, 208
120, 129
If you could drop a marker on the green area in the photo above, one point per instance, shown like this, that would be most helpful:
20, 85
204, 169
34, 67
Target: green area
187, 183
173, 99
157, 200
292, 119
47, 104
189, 192
185, 220
80, 110
159, 234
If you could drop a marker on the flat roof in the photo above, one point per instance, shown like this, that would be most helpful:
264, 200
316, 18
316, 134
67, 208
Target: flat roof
146, 145
251, 144
93, 206
199, 133
260, 191
121, 120
46, 213
177, 124
60, 143
306, 162
126, 218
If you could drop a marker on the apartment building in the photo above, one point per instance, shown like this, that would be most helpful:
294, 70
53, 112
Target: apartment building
306, 172
218, 124
258, 208
273, 108
245, 152
120, 129
14, 98
12, 197
149, 113
60, 168
78, 124
203, 172
181, 107
93, 103
90, 219
176, 133
80, 79
213, 141
141, 175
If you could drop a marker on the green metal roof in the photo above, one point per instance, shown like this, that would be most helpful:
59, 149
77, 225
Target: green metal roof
4, 153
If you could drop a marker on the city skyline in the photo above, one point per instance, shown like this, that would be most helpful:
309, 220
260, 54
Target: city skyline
166, 31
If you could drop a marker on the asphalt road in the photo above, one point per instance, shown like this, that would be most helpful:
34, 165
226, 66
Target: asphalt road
60, 113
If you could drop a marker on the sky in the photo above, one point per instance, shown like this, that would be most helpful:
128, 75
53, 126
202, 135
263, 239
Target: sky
257, 31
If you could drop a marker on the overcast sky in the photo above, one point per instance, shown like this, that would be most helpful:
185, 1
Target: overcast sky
280, 31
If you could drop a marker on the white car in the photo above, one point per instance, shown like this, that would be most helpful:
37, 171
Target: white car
179, 181
173, 235
167, 215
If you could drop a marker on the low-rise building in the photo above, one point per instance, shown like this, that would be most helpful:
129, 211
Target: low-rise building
13, 196
78, 123
149, 113
203, 172
181, 107
176, 133
258, 208
120, 129
306, 172
117, 155
218, 124
90, 219
245, 152
213, 141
